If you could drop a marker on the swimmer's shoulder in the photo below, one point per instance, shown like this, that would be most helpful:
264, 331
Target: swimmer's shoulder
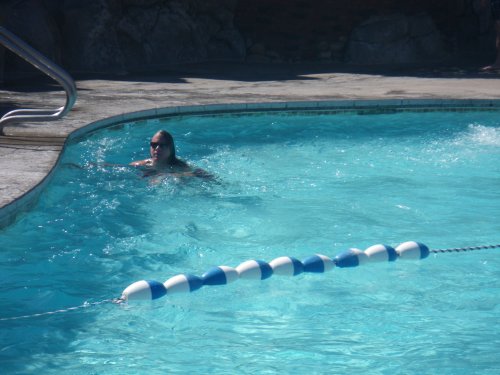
142, 163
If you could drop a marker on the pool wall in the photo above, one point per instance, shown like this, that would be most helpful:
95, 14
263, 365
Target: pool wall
10, 211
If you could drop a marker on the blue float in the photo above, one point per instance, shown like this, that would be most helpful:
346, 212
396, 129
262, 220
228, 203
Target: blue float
220, 275
144, 289
350, 258
318, 263
381, 253
412, 250
183, 283
284, 266
254, 269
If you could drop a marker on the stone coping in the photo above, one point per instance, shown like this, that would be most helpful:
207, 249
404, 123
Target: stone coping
25, 202
331, 106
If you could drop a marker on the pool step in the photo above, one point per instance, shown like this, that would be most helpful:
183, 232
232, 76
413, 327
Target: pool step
26, 140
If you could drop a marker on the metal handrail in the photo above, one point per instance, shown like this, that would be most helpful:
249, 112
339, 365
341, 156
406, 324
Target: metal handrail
42, 63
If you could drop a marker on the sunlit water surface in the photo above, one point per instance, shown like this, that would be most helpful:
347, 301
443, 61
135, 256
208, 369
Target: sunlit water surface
286, 185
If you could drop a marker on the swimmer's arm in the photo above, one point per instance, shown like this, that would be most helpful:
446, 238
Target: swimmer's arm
140, 163
112, 165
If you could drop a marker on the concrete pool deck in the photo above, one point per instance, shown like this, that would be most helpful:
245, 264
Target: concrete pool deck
29, 151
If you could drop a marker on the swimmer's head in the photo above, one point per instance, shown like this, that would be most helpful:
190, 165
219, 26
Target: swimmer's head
162, 148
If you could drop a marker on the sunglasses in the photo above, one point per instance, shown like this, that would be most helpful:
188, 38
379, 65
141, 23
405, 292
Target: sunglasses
156, 144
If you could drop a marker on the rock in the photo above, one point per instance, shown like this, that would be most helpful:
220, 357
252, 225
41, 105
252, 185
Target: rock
120, 36
30, 21
396, 39
90, 37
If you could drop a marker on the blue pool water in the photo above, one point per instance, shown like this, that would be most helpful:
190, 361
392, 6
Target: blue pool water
287, 185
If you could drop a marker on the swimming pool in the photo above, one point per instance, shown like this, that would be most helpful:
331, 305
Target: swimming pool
288, 184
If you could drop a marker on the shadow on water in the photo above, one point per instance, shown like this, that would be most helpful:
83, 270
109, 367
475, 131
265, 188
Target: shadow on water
51, 262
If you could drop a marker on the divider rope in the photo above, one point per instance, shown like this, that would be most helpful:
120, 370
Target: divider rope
286, 266
458, 249
84, 306
257, 269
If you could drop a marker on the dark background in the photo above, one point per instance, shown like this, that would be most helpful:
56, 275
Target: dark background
130, 36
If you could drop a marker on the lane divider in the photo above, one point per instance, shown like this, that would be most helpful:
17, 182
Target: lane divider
282, 266
260, 270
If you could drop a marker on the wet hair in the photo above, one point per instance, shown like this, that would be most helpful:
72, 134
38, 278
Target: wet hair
169, 140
